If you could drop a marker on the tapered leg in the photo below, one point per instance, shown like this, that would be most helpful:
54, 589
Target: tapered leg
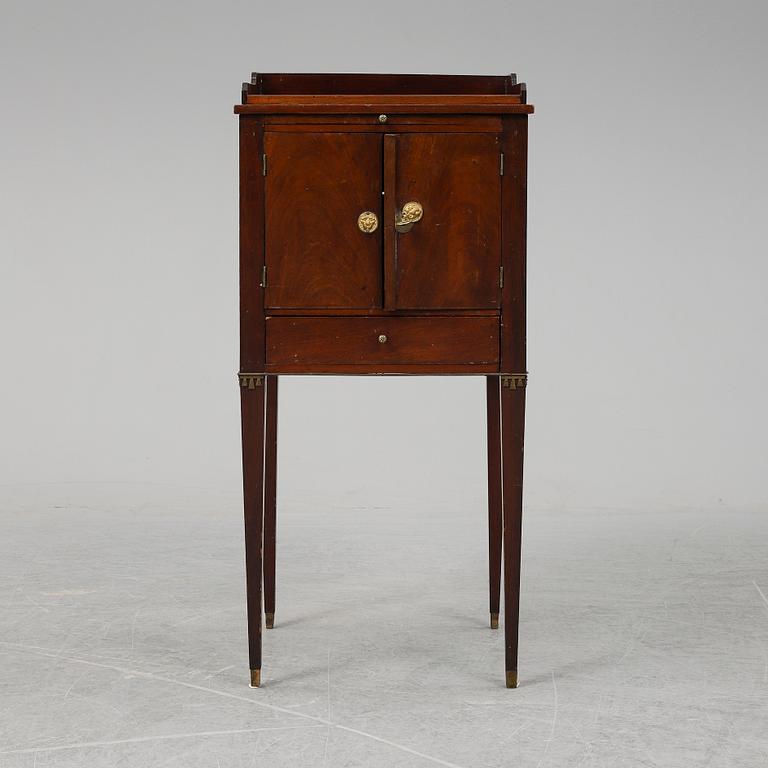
270, 501
494, 496
252, 416
512, 431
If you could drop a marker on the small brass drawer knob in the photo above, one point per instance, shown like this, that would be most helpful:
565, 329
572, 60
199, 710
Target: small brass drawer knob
382, 338
368, 222
382, 118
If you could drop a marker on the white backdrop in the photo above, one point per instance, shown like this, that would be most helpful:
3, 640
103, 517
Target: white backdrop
647, 256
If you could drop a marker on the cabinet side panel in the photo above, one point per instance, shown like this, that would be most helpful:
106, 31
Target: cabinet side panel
514, 215
251, 245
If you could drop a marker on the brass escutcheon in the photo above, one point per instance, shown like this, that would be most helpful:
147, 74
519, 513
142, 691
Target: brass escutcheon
368, 221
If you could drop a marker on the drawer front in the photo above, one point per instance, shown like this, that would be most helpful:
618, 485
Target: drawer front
382, 343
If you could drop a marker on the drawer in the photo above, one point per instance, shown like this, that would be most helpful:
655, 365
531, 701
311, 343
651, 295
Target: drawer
468, 344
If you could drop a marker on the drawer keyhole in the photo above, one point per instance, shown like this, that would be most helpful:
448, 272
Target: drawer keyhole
382, 339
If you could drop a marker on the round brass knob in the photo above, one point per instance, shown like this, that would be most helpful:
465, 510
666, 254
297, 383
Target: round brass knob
382, 118
368, 221
382, 339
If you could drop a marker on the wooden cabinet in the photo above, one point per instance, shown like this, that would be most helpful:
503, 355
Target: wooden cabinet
330, 245
382, 231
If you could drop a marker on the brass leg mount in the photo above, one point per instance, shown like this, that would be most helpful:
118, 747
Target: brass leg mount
494, 621
255, 678
511, 678
270, 620
250, 380
514, 380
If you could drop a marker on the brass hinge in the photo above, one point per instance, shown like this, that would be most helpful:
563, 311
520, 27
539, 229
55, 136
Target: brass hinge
264, 165
263, 283
501, 277
501, 164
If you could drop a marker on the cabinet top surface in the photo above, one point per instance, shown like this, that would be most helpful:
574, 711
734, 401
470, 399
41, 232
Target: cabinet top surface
336, 93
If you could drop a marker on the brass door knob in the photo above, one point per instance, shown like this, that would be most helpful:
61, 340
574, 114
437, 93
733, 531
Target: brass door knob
368, 222
382, 339
411, 213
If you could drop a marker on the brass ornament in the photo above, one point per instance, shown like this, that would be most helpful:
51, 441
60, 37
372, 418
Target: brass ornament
515, 380
408, 216
250, 380
368, 222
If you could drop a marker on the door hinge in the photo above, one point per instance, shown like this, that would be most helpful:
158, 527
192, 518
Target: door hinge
263, 283
501, 164
501, 277
264, 165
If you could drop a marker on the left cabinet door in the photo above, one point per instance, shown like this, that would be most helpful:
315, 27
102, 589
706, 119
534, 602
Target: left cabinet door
317, 252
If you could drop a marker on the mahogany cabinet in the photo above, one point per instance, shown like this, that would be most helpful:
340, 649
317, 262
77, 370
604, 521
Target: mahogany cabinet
382, 231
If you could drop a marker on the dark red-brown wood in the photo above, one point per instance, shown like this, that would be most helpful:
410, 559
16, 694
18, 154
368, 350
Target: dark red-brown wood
389, 192
383, 312
393, 124
252, 417
494, 496
270, 499
371, 341
433, 102
317, 184
512, 433
513, 360
333, 146
385, 369
514, 181
351, 105
451, 258
251, 245
283, 83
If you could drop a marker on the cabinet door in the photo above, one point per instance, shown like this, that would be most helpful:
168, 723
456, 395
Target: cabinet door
450, 259
316, 255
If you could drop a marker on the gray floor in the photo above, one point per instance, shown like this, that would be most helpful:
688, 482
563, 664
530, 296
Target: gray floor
644, 637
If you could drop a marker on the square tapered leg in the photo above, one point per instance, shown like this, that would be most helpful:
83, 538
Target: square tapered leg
494, 496
512, 432
270, 500
252, 419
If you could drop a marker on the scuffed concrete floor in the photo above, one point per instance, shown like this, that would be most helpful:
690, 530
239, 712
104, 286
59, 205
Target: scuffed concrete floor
644, 636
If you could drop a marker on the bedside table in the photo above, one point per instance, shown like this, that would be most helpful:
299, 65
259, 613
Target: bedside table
382, 231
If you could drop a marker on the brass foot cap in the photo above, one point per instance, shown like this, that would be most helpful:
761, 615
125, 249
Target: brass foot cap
512, 679
270, 620
255, 678
494, 621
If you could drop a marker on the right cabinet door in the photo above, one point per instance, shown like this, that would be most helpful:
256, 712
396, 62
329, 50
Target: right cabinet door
451, 257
